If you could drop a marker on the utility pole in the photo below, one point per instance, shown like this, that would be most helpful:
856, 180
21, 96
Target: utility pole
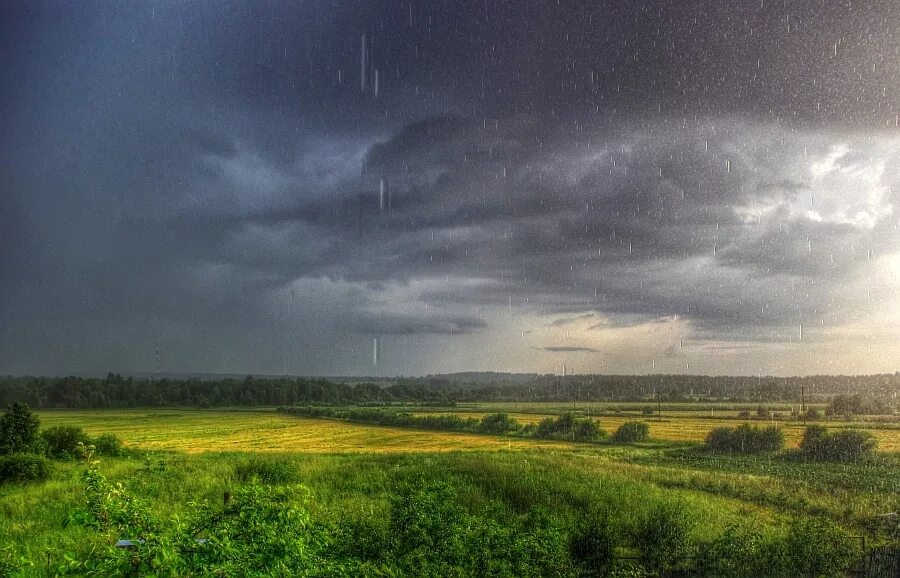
803, 403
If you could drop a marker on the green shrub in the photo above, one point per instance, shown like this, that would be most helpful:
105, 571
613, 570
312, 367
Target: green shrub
812, 414
740, 551
745, 439
426, 527
664, 536
62, 440
856, 404
498, 423
845, 445
267, 470
263, 531
812, 547
632, 431
18, 430
817, 547
593, 544
569, 427
108, 445
24, 468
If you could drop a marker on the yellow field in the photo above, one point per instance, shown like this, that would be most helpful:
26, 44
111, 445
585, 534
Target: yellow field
197, 431
693, 427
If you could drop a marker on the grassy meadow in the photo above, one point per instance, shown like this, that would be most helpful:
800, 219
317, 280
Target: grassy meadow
677, 425
198, 431
354, 473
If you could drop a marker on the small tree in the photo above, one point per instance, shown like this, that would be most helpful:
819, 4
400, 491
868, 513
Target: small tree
841, 446
18, 430
745, 439
62, 440
497, 423
632, 431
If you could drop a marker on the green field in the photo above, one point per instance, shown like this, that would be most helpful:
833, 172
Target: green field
678, 424
354, 474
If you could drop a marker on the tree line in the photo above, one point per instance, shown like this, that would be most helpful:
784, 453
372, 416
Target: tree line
856, 394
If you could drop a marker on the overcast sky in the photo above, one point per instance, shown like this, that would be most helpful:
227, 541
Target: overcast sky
620, 187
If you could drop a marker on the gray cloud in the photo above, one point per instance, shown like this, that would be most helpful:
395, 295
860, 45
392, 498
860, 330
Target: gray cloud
189, 172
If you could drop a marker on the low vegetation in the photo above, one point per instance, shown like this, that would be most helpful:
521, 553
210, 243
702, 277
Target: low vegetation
24, 448
632, 431
429, 515
660, 508
745, 439
564, 427
840, 446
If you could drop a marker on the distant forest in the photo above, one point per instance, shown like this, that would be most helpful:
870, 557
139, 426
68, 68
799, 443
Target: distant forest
117, 391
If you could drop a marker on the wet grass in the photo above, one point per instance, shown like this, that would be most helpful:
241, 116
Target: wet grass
352, 471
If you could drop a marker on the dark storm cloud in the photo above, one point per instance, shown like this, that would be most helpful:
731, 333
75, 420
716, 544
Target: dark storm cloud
175, 168
625, 215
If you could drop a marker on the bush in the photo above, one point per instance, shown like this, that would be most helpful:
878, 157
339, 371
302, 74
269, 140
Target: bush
431, 534
632, 431
62, 440
108, 445
267, 470
18, 430
648, 410
744, 414
739, 551
497, 423
763, 412
855, 404
24, 468
845, 445
426, 526
745, 439
593, 544
817, 547
663, 536
569, 427
263, 531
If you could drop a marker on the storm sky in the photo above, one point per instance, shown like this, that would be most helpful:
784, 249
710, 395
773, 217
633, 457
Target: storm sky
620, 187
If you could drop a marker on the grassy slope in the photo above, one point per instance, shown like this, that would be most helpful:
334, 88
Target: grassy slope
351, 470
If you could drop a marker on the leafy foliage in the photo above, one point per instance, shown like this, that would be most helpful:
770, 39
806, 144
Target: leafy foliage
846, 445
632, 431
18, 430
116, 391
663, 536
745, 439
498, 423
23, 468
263, 531
856, 404
593, 543
63, 440
108, 445
569, 427
815, 547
